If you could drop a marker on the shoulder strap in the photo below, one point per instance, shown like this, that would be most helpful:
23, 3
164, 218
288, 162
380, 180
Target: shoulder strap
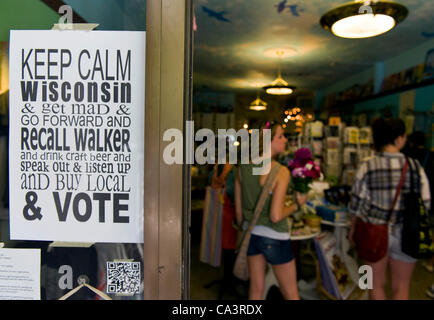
264, 195
398, 189
425, 160
415, 168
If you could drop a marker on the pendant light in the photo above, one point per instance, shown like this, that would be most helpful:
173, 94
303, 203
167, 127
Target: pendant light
279, 86
258, 104
363, 19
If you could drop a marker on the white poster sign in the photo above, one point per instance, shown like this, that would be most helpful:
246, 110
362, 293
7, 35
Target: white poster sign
20, 274
76, 152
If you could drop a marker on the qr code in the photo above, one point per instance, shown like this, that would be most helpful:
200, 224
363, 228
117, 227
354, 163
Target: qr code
123, 277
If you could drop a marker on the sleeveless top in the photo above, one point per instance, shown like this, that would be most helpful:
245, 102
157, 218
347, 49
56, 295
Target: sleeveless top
250, 193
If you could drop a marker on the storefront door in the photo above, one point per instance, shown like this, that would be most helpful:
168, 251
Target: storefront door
165, 254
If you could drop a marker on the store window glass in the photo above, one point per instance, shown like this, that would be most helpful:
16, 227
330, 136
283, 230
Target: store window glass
115, 269
326, 74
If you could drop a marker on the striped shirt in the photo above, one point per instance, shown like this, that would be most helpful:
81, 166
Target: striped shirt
375, 186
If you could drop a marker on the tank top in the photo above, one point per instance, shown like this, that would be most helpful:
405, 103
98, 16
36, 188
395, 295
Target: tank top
250, 193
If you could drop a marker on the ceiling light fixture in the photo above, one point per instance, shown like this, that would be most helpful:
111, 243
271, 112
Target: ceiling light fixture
363, 19
279, 86
258, 104
282, 51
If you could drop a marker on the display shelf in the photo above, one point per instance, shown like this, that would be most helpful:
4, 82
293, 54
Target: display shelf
346, 103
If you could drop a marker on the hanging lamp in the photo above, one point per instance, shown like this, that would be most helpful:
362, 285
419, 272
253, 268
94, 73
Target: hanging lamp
279, 86
363, 19
258, 104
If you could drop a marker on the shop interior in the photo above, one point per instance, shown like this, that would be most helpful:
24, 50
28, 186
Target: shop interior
332, 85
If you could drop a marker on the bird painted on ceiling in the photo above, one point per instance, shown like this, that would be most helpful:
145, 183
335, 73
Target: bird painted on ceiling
427, 35
281, 6
293, 8
215, 14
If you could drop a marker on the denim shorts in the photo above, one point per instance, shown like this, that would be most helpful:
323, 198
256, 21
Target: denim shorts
395, 251
274, 251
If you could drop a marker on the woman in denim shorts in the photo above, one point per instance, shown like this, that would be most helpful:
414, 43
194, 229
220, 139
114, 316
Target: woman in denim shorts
373, 192
269, 242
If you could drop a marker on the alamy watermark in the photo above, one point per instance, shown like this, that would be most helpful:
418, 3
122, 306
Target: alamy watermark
221, 148
365, 280
66, 21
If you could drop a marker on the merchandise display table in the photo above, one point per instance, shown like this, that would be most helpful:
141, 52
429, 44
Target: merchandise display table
336, 224
304, 237
341, 232
342, 248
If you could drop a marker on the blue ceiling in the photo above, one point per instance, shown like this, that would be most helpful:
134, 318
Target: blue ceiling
233, 35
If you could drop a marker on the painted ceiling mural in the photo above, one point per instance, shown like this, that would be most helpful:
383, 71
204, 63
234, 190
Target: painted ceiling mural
234, 41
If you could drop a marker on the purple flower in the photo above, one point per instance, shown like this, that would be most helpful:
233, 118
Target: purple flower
303, 168
303, 153
310, 174
296, 163
298, 173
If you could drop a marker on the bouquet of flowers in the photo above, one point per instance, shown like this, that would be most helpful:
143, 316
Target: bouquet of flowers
303, 170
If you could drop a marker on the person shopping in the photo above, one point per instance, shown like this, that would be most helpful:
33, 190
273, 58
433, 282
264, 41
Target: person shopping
373, 194
270, 241
223, 176
416, 149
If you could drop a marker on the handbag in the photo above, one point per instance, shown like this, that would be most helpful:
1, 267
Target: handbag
240, 266
416, 240
372, 240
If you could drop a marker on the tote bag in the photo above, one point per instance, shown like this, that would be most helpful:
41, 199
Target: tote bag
211, 237
416, 240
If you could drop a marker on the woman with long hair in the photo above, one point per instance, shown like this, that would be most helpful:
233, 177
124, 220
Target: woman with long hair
373, 192
270, 241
